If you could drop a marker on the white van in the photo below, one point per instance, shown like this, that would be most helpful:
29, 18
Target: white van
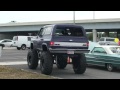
22, 42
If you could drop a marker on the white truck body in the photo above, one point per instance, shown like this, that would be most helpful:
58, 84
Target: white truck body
19, 41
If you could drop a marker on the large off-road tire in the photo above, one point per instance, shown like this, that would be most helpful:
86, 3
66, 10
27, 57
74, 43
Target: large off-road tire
23, 47
61, 62
79, 64
18, 48
46, 63
32, 59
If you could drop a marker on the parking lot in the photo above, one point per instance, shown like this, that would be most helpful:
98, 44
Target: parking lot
17, 59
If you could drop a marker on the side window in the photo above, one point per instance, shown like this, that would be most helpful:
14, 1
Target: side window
4, 41
78, 32
48, 31
15, 38
29, 38
8, 41
114, 49
41, 32
101, 39
109, 39
99, 50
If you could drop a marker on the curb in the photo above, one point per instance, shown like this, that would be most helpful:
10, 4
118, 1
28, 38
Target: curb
9, 48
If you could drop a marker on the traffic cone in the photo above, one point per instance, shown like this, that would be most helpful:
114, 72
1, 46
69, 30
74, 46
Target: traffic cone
68, 60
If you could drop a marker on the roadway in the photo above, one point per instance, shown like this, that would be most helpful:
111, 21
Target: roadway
17, 59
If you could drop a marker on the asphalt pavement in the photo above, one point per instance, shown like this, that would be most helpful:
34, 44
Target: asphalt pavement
17, 59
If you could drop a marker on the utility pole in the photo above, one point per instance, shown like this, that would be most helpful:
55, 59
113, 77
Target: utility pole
93, 14
94, 30
74, 17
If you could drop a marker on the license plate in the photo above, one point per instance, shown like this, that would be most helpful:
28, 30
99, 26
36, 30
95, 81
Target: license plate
70, 52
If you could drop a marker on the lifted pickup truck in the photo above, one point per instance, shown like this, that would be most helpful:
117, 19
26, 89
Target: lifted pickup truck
57, 42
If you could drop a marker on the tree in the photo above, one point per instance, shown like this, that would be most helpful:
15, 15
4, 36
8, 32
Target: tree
90, 36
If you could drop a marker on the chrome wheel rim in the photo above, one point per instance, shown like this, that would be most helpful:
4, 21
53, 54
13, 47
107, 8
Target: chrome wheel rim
109, 67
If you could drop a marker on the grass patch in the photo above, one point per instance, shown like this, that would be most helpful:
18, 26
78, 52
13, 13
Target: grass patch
12, 73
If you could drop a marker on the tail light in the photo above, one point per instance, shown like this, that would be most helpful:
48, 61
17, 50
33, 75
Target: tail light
51, 43
88, 44
119, 43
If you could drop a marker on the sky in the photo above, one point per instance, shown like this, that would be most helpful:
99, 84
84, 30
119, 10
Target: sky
39, 16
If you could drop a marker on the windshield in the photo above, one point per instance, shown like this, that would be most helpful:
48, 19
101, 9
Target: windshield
15, 38
68, 31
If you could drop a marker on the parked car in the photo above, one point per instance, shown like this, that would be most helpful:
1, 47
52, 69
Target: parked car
104, 55
108, 41
2, 45
6, 42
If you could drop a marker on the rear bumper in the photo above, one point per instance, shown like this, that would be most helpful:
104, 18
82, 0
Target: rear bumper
65, 51
76, 51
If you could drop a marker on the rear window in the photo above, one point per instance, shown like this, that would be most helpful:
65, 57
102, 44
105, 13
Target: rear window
69, 31
115, 49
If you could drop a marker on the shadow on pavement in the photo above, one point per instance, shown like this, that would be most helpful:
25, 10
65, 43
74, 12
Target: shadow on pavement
102, 68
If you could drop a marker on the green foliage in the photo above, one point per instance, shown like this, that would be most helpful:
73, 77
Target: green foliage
90, 36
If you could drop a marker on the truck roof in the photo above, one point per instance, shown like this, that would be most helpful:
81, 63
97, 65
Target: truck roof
74, 25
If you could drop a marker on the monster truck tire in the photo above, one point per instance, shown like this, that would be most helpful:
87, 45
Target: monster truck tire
32, 59
46, 63
79, 64
61, 62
